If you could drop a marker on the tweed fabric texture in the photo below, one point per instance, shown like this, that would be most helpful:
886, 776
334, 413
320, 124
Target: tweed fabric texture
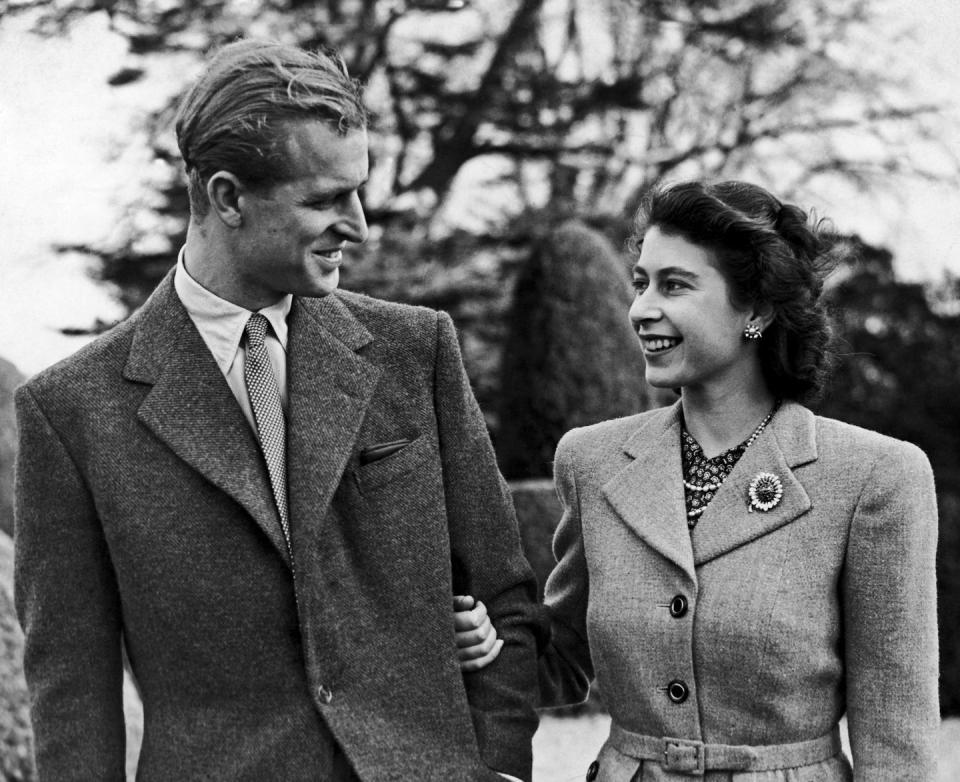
823, 606
267, 409
145, 512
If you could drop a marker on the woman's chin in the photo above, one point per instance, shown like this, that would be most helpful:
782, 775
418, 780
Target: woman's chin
659, 380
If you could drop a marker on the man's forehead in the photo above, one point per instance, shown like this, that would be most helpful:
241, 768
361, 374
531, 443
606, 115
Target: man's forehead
318, 150
307, 134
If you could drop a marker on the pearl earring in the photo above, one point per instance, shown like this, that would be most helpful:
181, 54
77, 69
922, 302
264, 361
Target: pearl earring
752, 332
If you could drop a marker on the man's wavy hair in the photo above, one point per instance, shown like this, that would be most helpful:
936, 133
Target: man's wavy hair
768, 251
233, 118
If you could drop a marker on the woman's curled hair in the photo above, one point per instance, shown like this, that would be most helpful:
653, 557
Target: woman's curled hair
768, 251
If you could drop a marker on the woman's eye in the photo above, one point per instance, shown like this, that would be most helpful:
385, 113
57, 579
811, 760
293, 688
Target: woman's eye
639, 285
672, 286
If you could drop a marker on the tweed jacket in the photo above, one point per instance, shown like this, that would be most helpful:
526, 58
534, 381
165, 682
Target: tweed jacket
144, 511
789, 618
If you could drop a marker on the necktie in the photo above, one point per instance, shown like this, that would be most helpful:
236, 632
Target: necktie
268, 413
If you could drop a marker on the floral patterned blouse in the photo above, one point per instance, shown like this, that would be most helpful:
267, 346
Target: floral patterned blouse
704, 473
702, 477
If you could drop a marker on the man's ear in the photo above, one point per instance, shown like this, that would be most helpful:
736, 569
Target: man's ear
223, 192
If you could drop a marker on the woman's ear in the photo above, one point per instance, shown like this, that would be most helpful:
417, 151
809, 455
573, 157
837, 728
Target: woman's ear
223, 192
763, 314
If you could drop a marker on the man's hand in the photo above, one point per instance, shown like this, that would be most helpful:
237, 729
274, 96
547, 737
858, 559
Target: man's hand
476, 637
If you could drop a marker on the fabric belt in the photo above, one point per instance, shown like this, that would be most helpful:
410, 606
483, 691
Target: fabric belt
694, 757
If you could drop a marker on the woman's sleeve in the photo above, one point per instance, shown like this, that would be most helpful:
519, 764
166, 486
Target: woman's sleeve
890, 621
565, 669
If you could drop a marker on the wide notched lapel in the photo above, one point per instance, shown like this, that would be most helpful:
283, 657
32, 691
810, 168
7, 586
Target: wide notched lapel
648, 493
729, 522
330, 386
193, 411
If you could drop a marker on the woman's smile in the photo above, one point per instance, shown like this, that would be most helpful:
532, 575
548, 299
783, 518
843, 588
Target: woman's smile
656, 345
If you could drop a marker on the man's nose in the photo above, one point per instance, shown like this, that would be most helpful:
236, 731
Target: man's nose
353, 223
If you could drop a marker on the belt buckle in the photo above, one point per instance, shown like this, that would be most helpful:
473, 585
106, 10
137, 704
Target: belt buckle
684, 756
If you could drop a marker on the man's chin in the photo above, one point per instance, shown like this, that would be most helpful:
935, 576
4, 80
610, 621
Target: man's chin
323, 286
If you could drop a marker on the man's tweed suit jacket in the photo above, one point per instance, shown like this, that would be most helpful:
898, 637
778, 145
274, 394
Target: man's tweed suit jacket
823, 605
144, 511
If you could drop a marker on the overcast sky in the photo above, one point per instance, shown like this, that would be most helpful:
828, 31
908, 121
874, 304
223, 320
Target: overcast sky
67, 167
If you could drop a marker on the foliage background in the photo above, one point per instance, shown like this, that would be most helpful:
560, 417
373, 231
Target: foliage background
502, 121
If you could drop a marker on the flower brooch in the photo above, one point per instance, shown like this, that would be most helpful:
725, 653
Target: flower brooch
765, 492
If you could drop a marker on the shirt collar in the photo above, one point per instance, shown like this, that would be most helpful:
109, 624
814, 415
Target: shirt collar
221, 322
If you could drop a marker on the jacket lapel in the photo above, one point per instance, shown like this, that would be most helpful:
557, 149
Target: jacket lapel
193, 411
329, 386
648, 493
788, 442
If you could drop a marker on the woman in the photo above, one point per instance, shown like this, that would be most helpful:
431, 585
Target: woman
736, 572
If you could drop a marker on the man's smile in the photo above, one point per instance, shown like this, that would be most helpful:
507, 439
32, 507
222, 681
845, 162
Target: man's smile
330, 259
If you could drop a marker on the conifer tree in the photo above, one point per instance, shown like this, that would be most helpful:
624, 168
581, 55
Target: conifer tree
570, 356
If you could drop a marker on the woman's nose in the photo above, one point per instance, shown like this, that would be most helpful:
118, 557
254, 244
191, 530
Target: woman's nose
645, 307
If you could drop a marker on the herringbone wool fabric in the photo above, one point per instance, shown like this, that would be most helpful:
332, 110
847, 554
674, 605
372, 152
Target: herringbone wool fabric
268, 413
146, 522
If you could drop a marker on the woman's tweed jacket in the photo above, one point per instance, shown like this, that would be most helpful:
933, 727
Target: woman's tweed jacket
824, 605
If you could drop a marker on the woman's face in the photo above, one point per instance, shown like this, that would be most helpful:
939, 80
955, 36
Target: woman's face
690, 331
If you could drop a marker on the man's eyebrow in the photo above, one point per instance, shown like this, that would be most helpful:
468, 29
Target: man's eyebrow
333, 190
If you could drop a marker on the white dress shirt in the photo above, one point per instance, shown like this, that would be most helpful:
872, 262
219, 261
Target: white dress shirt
221, 325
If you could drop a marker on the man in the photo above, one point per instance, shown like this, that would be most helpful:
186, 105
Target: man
266, 490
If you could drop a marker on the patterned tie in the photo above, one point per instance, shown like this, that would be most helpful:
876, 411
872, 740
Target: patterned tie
268, 413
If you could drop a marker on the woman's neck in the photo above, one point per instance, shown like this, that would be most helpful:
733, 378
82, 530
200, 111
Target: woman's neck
722, 420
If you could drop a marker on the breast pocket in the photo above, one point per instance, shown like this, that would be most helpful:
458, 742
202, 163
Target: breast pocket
370, 477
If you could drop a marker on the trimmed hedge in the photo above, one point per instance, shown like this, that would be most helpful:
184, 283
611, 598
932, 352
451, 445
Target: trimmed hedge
570, 357
538, 511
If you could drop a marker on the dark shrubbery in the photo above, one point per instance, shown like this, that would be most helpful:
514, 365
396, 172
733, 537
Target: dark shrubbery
16, 736
570, 356
897, 374
10, 378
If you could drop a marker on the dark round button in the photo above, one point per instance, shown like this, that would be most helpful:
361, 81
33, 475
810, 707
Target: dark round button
678, 606
677, 691
593, 771
324, 694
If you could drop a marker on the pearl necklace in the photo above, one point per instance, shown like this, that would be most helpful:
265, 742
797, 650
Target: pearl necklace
707, 487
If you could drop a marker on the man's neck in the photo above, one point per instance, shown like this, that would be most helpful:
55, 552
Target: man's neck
204, 252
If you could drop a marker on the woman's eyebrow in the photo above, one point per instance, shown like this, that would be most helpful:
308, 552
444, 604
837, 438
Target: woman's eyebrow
669, 271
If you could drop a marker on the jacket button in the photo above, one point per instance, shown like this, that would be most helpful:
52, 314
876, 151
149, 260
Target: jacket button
677, 691
678, 606
593, 771
324, 694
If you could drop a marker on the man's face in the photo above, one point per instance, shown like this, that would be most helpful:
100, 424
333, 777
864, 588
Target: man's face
291, 234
